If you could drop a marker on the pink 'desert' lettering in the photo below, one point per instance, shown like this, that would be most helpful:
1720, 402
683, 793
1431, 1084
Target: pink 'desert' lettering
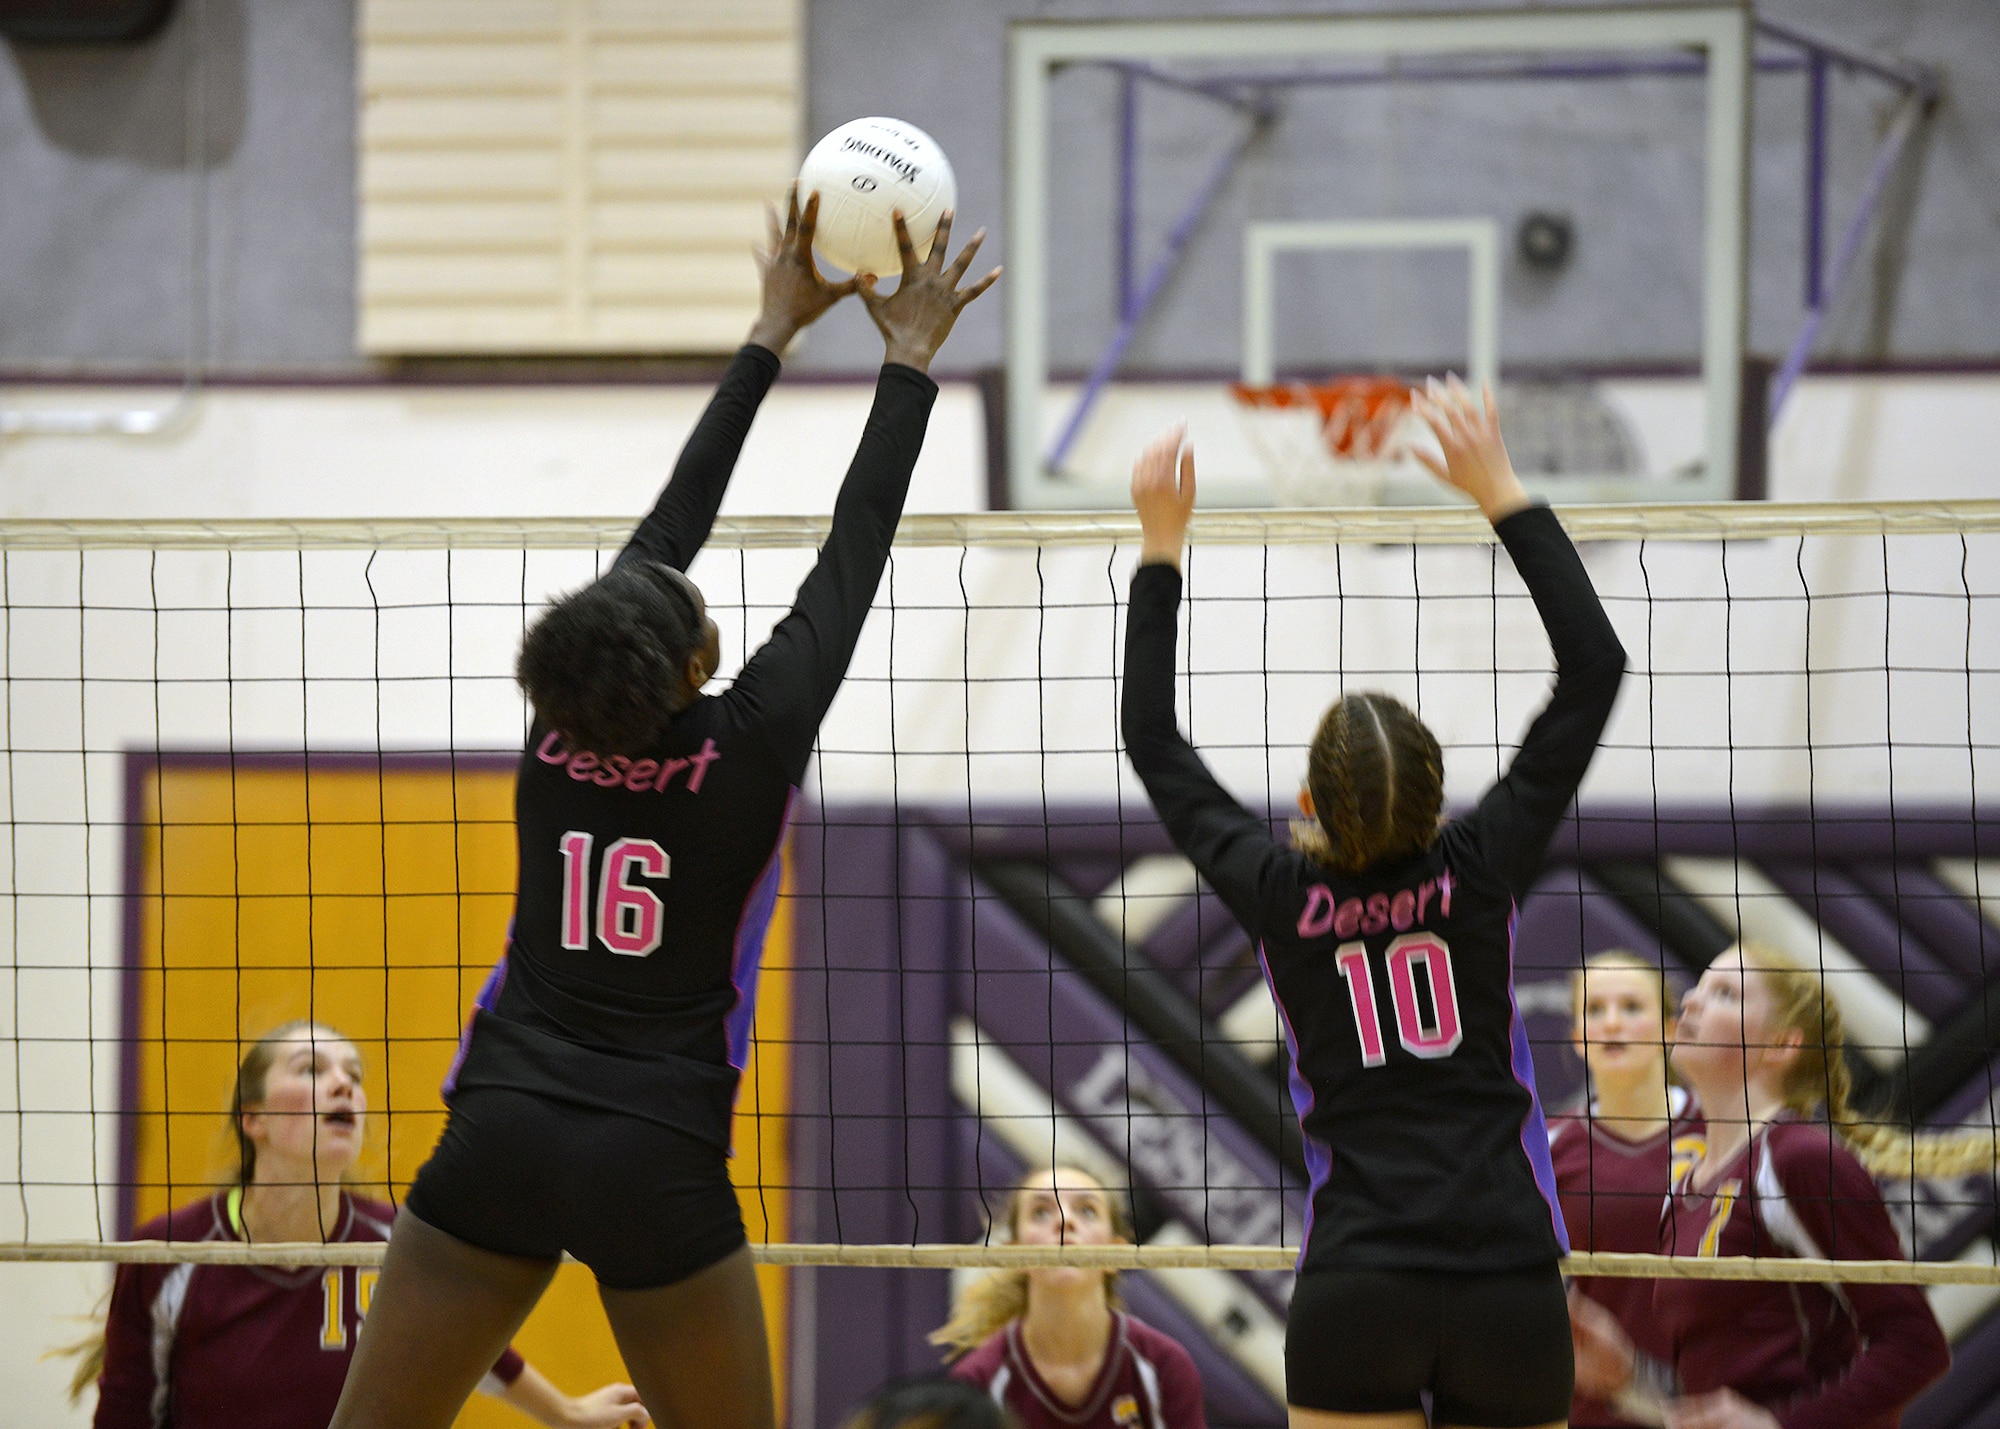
1442, 1038
1317, 920
707, 756
668, 769
1352, 961
550, 750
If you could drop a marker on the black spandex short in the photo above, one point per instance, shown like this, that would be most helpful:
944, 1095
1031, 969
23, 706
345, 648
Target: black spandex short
639, 1203
1491, 1350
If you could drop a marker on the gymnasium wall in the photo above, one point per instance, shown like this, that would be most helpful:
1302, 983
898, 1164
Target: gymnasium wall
96, 216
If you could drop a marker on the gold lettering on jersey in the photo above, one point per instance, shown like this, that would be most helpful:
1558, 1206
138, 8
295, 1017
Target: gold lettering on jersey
1683, 1156
1720, 1206
364, 1291
1124, 1410
333, 1324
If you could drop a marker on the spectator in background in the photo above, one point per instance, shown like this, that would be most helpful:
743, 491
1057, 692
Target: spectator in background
1761, 1046
190, 1346
1614, 1160
1053, 1344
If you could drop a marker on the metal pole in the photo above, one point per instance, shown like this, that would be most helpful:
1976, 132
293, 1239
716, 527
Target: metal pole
1905, 125
1156, 281
1815, 177
1128, 185
1915, 79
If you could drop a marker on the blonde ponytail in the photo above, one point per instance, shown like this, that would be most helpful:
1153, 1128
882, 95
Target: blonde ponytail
982, 1310
1820, 1079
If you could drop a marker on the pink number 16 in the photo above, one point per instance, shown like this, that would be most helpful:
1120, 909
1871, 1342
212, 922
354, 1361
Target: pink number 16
1442, 1036
629, 914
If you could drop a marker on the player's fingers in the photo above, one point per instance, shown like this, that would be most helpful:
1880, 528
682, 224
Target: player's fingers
968, 294
864, 284
1187, 469
792, 209
903, 244
1436, 467
940, 241
964, 259
1492, 407
808, 223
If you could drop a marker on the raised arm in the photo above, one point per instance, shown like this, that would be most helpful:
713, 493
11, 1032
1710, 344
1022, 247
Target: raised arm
788, 684
1232, 848
1518, 816
794, 296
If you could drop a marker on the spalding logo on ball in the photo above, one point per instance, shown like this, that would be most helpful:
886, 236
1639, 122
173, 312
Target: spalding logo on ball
863, 172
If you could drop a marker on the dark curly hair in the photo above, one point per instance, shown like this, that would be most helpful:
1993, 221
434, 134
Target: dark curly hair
1377, 782
604, 664
932, 1402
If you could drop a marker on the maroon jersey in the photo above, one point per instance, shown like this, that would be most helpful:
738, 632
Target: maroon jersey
1612, 1193
1147, 1382
1815, 1356
237, 1346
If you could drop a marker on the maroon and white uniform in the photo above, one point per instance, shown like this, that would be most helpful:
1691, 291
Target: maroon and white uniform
1147, 1382
1814, 1356
238, 1346
1612, 1193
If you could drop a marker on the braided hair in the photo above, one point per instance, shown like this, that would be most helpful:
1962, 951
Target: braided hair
1376, 776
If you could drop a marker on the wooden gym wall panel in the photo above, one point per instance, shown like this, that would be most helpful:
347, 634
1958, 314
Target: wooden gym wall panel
570, 175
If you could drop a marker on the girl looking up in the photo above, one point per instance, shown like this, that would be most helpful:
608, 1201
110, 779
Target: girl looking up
224, 1346
1761, 1046
1052, 1344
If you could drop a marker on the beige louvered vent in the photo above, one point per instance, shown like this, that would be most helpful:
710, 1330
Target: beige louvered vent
570, 175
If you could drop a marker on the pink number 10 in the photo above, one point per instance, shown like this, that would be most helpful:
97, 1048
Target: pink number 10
629, 915
1442, 1036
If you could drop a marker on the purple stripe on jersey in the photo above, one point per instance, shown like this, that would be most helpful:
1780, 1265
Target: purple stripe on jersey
1534, 1126
752, 926
1319, 1156
489, 993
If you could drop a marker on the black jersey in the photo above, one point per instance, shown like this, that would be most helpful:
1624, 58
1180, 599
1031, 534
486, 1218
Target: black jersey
1410, 1068
647, 883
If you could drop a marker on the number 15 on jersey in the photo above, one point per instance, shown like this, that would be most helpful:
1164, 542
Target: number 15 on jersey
630, 917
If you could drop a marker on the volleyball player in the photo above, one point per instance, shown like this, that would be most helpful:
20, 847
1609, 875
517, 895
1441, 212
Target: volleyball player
192, 1346
591, 1101
1614, 1160
1762, 1047
1429, 1264
1053, 1344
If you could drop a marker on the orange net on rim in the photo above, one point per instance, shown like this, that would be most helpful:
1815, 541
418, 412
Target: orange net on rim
1329, 443
1359, 416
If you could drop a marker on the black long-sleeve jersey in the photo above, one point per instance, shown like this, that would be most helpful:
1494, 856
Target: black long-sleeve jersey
647, 883
1424, 1136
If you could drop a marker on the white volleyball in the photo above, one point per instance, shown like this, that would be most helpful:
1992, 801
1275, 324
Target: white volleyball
865, 170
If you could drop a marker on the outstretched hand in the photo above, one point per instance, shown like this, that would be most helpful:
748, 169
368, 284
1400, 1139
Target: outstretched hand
1163, 495
1475, 459
795, 292
616, 1406
916, 318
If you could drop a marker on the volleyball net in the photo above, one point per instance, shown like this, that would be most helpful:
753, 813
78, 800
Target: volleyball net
255, 772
